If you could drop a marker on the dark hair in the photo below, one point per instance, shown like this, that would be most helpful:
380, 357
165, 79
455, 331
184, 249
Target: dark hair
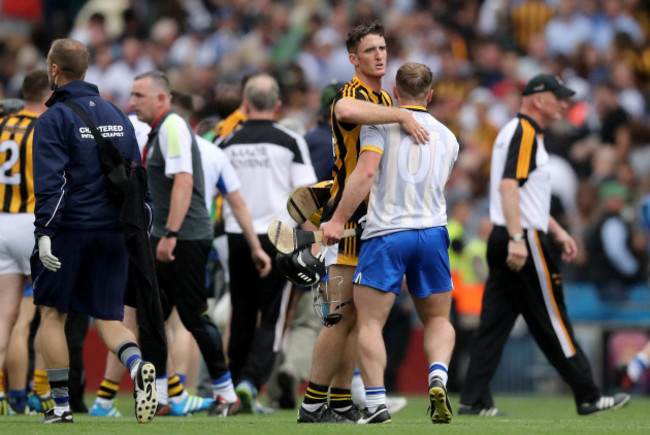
355, 35
36, 86
71, 56
97, 17
228, 100
182, 100
158, 77
414, 79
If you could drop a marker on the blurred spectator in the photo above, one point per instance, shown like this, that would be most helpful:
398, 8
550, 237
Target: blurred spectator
193, 48
613, 265
88, 24
488, 58
644, 217
587, 213
492, 16
478, 130
610, 115
120, 75
93, 33
567, 29
163, 35
638, 134
102, 59
612, 19
564, 187
27, 59
315, 59
603, 163
587, 63
319, 138
629, 96
528, 19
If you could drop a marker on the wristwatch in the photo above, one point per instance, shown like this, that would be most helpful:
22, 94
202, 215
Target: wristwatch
169, 233
517, 237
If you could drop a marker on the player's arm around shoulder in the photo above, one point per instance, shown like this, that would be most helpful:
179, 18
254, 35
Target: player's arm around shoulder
355, 111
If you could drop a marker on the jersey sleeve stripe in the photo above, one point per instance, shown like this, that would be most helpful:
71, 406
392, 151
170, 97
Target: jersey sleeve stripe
173, 138
372, 148
525, 150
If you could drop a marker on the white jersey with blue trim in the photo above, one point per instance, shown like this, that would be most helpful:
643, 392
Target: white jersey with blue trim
407, 192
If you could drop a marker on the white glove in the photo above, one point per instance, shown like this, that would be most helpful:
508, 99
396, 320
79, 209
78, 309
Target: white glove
45, 254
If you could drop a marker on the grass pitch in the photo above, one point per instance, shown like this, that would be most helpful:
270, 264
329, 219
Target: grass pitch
530, 415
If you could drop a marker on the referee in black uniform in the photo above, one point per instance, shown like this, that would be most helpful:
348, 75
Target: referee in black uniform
524, 278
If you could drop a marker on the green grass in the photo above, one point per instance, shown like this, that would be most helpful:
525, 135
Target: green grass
531, 415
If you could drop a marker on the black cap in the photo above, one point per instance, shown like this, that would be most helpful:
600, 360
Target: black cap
547, 83
327, 97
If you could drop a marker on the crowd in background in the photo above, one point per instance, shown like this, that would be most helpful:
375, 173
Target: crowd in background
481, 53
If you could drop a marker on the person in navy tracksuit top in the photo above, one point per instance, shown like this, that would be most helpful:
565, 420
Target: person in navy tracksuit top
81, 245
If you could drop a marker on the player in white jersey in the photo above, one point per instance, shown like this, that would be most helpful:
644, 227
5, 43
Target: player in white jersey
405, 234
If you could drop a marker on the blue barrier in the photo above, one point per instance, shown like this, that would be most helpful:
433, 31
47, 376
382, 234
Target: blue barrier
584, 305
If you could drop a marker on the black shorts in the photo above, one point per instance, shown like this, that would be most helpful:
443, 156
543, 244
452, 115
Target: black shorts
182, 282
92, 277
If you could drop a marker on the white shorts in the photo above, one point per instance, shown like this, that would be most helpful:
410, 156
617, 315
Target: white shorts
331, 254
16, 242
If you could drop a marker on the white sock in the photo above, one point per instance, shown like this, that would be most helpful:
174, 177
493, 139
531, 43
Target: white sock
438, 370
375, 396
311, 407
134, 370
161, 390
358, 391
637, 366
180, 397
59, 410
104, 403
223, 387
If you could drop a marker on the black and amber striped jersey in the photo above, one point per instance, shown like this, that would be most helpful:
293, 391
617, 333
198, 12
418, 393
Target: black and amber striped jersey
16, 166
519, 154
231, 123
528, 19
347, 145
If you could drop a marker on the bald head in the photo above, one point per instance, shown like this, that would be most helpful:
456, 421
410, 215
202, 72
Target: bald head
262, 92
71, 57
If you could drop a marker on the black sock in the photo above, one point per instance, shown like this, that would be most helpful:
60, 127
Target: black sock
340, 399
315, 394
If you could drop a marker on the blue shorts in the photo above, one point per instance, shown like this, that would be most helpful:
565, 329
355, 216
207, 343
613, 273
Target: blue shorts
92, 277
421, 255
29, 291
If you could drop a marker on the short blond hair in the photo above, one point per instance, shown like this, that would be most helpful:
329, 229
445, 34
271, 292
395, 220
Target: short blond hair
414, 80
